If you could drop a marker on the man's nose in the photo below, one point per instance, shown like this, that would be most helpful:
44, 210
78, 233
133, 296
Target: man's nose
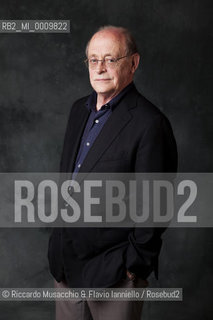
101, 67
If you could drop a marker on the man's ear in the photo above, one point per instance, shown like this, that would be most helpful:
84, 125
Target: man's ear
135, 62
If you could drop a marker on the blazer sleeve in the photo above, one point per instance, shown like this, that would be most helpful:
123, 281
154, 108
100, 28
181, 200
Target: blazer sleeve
157, 152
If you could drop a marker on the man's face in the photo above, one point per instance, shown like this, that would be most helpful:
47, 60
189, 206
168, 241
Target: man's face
109, 81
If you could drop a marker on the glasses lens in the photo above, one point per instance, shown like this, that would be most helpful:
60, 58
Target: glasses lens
108, 62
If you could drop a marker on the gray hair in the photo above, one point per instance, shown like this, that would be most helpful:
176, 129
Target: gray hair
131, 46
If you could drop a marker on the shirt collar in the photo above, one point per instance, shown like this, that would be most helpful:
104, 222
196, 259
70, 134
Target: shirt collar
91, 101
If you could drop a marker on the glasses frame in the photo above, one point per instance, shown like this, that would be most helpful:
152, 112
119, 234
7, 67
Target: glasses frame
86, 61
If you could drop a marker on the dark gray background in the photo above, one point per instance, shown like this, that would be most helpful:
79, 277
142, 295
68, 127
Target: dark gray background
41, 75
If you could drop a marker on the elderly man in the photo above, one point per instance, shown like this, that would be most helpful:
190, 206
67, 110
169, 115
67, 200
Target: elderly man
115, 129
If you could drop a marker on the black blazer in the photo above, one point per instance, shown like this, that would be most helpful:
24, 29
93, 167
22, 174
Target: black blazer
136, 138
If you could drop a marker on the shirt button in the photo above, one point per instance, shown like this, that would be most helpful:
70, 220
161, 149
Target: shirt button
96, 121
87, 143
79, 165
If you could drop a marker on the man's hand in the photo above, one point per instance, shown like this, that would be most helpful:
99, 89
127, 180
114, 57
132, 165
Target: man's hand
131, 275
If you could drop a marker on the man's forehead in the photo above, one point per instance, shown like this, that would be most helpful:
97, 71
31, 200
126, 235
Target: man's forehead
106, 42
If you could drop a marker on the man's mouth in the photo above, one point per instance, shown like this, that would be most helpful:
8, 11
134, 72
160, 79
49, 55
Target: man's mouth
102, 79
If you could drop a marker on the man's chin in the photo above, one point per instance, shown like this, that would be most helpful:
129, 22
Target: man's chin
103, 89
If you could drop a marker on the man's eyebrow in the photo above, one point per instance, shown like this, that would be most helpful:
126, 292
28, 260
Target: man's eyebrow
106, 55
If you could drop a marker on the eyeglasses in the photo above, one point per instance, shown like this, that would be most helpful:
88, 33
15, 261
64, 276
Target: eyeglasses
92, 63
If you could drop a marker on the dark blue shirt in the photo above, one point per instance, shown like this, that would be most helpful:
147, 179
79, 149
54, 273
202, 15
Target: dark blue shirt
95, 123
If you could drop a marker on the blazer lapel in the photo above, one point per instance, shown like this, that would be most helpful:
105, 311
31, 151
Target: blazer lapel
75, 134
